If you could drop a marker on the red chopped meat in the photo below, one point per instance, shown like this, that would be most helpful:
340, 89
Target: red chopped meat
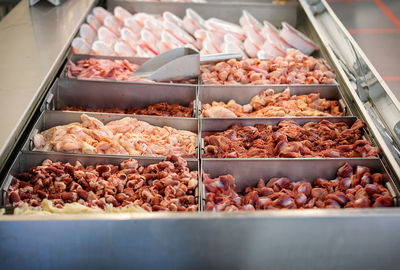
281, 193
166, 186
290, 140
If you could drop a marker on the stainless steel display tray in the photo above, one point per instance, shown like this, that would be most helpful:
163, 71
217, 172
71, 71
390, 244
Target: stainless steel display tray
242, 94
26, 160
248, 172
113, 94
49, 119
209, 126
74, 58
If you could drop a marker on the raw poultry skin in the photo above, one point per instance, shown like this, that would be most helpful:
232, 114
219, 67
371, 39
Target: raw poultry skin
127, 136
290, 140
269, 104
104, 69
159, 109
352, 188
121, 70
165, 186
294, 68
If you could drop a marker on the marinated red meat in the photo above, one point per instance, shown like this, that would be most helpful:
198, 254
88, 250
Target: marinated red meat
159, 109
281, 193
166, 186
290, 140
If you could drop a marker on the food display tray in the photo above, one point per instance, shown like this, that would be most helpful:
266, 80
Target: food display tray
26, 160
242, 94
113, 94
49, 119
247, 172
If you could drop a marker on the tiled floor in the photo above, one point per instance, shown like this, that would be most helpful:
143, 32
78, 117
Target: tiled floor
375, 25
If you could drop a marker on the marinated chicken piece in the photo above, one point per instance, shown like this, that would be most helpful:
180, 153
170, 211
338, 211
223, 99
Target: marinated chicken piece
127, 136
165, 186
269, 104
290, 140
282, 193
92, 68
159, 109
294, 68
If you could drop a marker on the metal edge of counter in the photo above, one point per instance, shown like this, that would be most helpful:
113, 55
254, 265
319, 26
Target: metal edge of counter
390, 158
30, 20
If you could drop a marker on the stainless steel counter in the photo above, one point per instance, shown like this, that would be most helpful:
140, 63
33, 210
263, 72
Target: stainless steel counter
34, 41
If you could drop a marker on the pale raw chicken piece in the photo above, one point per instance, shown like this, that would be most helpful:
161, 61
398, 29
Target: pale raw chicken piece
251, 48
144, 51
255, 39
97, 125
121, 14
231, 38
120, 137
208, 48
200, 35
272, 35
297, 39
142, 16
192, 21
217, 112
93, 22
113, 25
124, 125
179, 33
133, 24
150, 41
87, 33
154, 26
100, 13
168, 16
215, 41
168, 42
272, 50
130, 38
225, 27
232, 47
80, 46
101, 48
107, 36
122, 49
247, 20
263, 55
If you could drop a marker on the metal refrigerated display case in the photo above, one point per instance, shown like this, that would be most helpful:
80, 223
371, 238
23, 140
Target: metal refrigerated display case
35, 88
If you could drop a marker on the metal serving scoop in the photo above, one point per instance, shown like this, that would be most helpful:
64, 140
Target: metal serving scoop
178, 64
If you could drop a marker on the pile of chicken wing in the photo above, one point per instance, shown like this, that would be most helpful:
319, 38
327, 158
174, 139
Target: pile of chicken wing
127, 136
